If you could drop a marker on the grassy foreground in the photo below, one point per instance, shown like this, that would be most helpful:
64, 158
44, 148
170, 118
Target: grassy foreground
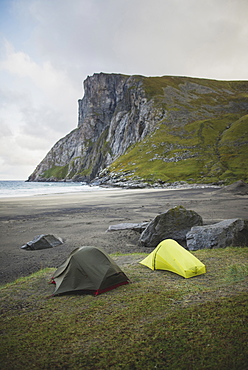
159, 321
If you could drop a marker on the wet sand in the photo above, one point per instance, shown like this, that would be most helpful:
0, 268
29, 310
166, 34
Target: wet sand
83, 218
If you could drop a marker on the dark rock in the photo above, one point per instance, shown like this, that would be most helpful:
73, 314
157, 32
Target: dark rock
173, 224
43, 242
113, 114
233, 232
129, 226
239, 187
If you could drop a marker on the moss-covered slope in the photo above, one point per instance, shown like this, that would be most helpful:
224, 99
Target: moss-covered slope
203, 151
184, 148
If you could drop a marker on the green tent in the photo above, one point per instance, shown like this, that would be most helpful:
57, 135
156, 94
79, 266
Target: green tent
89, 270
171, 256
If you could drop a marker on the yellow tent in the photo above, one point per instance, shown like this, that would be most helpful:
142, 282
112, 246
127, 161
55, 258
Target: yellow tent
171, 256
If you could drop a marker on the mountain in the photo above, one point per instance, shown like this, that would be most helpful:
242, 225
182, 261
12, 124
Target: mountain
154, 129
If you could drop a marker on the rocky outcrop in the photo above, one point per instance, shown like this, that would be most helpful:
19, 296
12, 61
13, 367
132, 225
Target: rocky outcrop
177, 223
233, 232
113, 114
165, 120
139, 227
239, 188
173, 224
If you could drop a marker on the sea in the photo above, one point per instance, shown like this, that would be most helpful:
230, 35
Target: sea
20, 188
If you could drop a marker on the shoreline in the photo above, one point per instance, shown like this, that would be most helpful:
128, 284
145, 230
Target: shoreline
19, 192
82, 218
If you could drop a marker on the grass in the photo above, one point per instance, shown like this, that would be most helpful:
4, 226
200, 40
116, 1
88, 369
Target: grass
58, 172
203, 151
159, 321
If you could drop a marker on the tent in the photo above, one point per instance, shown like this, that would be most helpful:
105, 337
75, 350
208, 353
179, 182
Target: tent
88, 269
171, 256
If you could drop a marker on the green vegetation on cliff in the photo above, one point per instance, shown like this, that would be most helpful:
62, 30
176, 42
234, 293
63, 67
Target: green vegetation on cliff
57, 172
203, 151
200, 150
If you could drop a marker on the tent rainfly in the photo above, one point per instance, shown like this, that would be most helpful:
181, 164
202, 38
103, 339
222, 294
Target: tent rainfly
171, 256
88, 270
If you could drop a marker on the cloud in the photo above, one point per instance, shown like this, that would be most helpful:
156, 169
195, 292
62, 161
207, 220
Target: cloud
137, 36
5, 130
38, 106
182, 37
21, 148
53, 86
49, 47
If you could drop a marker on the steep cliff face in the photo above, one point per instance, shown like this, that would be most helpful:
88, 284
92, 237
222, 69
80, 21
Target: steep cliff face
153, 128
113, 114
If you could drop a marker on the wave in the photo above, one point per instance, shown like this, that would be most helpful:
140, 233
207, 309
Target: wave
21, 188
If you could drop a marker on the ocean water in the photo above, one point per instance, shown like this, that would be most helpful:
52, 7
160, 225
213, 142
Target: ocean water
22, 188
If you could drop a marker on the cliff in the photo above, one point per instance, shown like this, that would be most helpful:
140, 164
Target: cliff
154, 129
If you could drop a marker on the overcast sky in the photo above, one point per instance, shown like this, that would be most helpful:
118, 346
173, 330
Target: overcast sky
48, 47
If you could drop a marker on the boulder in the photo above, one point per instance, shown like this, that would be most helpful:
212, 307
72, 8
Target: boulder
232, 232
173, 224
129, 226
238, 188
43, 242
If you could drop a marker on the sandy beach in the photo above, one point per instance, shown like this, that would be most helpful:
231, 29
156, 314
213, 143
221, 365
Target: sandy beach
83, 218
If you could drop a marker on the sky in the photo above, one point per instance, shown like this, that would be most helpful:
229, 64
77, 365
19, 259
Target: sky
49, 47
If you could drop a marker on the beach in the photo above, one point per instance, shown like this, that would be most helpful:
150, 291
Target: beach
83, 218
